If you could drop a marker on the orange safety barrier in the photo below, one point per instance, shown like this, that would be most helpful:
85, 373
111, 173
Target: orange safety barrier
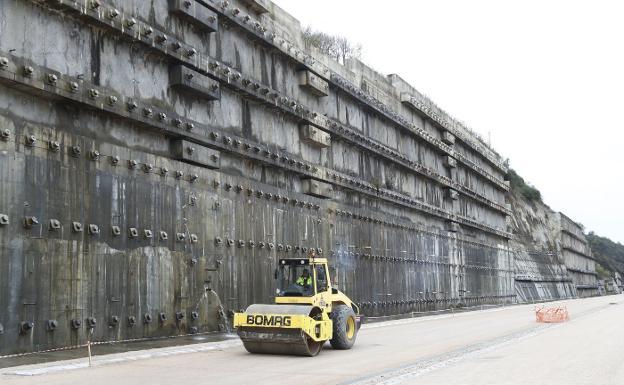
552, 314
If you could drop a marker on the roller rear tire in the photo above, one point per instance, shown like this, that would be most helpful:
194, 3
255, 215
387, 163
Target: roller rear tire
344, 327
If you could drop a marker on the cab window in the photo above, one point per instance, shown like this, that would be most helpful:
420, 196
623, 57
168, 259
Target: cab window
321, 279
294, 280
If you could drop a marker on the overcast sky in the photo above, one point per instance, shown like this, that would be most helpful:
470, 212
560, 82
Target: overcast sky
543, 79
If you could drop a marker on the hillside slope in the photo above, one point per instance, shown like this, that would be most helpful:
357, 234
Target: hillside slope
609, 254
540, 271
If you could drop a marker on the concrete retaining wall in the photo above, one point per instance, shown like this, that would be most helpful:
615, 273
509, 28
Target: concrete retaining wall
156, 162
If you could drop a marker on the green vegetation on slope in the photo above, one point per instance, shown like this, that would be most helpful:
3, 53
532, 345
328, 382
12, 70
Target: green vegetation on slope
609, 253
519, 186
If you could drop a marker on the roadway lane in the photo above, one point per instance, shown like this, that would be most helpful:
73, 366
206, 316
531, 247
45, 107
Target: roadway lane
498, 346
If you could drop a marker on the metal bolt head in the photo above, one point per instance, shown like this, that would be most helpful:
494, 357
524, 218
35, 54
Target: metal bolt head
113, 13
162, 116
76, 151
4, 219
94, 229
190, 150
76, 323
148, 112
148, 31
112, 100
5, 134
190, 126
132, 105
95, 155
93, 93
51, 325
30, 222
131, 22
55, 146
4, 62
114, 321
164, 171
187, 4
193, 177
132, 163
28, 70
176, 45
52, 78
191, 52
177, 122
73, 86
161, 38
148, 167
114, 160
179, 174
95, 4
26, 327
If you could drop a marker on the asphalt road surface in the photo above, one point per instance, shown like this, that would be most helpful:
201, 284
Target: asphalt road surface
498, 346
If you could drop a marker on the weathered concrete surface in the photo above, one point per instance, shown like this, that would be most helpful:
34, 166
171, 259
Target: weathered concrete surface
499, 346
113, 223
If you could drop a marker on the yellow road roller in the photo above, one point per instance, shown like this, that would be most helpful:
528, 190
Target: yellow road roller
307, 312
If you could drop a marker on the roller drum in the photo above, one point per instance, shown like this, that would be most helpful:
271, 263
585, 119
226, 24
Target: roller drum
277, 340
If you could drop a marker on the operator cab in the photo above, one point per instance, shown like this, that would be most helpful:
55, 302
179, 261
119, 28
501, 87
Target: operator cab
300, 277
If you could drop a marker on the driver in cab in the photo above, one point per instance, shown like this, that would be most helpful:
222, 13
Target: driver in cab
305, 281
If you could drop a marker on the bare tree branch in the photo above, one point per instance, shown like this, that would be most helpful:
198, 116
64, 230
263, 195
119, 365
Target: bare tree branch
337, 47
